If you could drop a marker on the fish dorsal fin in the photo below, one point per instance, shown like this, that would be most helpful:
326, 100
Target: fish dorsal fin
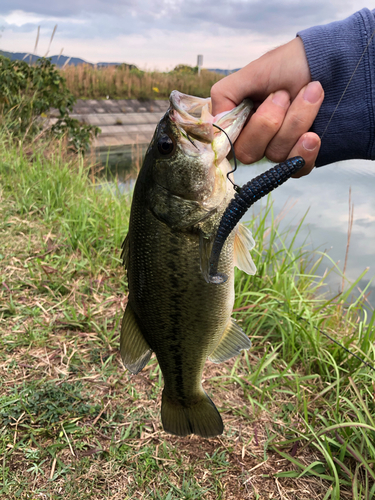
243, 243
233, 341
135, 351
125, 251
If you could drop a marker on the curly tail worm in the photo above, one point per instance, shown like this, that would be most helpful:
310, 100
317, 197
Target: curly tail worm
256, 189
245, 197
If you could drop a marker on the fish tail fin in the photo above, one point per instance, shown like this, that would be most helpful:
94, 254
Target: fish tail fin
201, 418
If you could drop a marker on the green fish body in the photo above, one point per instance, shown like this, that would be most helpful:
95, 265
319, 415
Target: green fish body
179, 197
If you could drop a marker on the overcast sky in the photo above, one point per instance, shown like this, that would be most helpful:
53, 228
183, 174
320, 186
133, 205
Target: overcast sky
158, 34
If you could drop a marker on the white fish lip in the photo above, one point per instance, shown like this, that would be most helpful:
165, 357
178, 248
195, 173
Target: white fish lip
193, 117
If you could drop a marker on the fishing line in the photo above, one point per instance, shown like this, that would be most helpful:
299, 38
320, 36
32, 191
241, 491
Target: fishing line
325, 130
243, 199
191, 140
338, 343
349, 82
329, 337
236, 187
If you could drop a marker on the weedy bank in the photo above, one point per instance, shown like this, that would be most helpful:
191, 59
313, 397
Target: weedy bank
298, 410
126, 82
27, 92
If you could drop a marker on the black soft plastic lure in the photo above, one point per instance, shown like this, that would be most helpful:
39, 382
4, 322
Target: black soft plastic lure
245, 197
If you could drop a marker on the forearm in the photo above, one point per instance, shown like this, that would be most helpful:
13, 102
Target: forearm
333, 52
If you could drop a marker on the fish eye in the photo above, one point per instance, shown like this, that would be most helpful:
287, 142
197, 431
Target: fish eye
165, 145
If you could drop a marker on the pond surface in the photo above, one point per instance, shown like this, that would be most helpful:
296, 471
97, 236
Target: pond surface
324, 196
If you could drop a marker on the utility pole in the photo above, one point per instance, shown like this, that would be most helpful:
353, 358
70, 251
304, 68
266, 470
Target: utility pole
199, 63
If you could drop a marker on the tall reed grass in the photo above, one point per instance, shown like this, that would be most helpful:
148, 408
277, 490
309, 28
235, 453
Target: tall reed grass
55, 187
89, 82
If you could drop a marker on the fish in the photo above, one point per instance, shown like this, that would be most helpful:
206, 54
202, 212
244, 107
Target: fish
179, 197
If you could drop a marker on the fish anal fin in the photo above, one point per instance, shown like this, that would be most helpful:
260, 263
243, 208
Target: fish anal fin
135, 351
125, 251
200, 418
243, 243
233, 341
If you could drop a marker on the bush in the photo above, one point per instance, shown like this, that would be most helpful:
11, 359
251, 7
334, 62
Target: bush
26, 95
185, 69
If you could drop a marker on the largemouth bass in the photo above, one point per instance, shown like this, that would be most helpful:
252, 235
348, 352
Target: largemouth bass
179, 197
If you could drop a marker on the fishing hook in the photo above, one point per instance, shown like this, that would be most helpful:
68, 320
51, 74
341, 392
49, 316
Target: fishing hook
237, 188
191, 140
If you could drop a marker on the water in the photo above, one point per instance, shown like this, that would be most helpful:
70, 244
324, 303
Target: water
324, 194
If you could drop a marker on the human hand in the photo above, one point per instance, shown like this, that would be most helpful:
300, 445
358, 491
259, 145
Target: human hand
286, 104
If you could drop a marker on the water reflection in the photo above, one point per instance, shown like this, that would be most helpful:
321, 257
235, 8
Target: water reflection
325, 195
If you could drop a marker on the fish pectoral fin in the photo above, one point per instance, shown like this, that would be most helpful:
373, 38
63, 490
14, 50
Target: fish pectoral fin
233, 341
243, 243
135, 351
205, 247
125, 252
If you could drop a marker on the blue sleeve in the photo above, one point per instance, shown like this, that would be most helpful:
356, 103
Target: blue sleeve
333, 52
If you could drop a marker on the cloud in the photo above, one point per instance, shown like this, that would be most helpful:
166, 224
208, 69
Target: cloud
229, 33
131, 16
68, 8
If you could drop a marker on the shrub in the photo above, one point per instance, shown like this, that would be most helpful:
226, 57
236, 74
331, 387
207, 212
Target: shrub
26, 95
185, 69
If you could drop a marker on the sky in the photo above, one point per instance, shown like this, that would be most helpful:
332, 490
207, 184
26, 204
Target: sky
159, 34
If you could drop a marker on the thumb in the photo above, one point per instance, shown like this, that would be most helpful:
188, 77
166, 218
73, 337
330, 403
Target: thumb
284, 68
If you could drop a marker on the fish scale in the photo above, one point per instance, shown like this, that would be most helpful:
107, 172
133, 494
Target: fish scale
169, 324
178, 200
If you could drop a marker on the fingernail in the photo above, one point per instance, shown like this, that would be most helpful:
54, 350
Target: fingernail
309, 143
281, 98
313, 92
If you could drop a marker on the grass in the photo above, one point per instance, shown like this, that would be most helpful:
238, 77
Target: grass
298, 410
88, 82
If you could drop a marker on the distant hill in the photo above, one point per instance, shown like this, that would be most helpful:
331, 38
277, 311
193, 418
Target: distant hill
74, 61
58, 60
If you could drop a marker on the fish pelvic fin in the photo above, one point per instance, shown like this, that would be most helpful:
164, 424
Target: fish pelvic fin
243, 243
200, 418
135, 351
125, 252
233, 341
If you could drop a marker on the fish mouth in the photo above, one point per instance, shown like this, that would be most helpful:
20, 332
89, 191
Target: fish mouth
193, 117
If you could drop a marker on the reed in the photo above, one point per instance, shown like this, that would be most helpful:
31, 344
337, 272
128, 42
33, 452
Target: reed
122, 82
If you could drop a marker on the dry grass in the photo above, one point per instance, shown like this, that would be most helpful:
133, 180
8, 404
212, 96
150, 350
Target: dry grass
88, 82
75, 424
129, 457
